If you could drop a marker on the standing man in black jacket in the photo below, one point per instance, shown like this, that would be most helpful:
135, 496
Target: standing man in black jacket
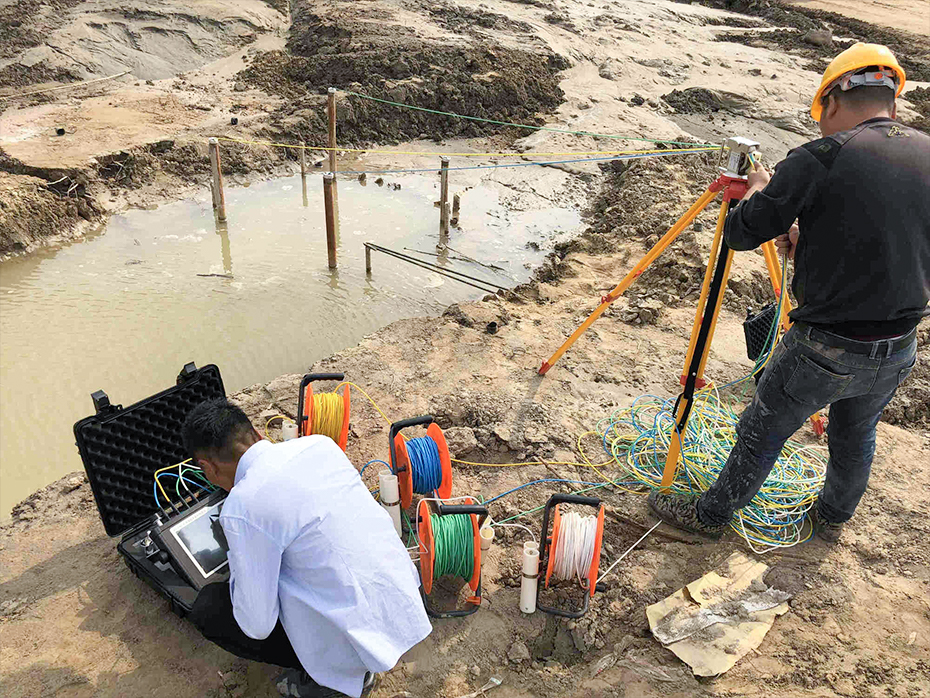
861, 199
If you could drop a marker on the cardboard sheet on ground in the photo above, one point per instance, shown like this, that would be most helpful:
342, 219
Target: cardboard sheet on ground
714, 621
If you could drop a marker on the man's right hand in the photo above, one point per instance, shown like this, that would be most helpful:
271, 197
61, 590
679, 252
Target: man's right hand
788, 242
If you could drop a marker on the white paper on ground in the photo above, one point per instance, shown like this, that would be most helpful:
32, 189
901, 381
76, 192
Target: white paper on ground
714, 621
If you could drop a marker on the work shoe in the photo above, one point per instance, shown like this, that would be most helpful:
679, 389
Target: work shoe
826, 530
680, 510
372, 681
296, 683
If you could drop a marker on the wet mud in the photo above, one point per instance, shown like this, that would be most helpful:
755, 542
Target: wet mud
373, 54
806, 37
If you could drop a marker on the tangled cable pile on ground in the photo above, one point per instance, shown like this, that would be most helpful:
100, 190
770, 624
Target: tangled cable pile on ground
637, 438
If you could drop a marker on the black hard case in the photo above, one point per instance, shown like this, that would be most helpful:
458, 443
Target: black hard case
122, 448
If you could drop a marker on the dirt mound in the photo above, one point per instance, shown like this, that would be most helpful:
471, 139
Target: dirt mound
30, 207
25, 23
637, 203
279, 5
791, 42
371, 52
699, 100
19, 75
912, 51
465, 21
35, 201
919, 97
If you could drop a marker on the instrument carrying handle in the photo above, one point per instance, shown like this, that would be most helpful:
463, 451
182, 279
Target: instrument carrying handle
449, 509
311, 377
574, 499
412, 422
403, 424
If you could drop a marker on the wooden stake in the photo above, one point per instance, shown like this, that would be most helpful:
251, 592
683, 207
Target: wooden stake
456, 206
367, 259
444, 202
331, 110
329, 187
332, 129
303, 160
219, 196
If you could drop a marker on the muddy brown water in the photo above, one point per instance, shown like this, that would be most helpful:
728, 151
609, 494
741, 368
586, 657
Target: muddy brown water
125, 308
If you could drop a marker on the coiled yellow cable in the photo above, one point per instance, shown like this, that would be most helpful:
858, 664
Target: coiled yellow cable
328, 414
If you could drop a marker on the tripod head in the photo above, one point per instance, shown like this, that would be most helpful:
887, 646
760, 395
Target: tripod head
736, 156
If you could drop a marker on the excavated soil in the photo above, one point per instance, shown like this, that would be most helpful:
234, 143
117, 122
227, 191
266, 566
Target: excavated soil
371, 51
19, 75
25, 23
912, 50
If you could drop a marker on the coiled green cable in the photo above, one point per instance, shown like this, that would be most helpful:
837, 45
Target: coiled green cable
453, 546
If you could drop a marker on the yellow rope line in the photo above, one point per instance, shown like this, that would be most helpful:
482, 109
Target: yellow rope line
465, 155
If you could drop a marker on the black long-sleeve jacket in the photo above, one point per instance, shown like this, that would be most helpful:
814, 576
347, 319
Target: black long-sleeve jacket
862, 202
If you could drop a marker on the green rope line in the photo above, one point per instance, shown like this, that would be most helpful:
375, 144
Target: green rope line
453, 546
508, 123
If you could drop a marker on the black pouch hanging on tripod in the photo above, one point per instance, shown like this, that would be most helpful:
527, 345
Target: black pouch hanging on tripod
758, 328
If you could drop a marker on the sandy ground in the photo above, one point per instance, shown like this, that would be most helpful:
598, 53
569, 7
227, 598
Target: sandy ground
909, 15
74, 622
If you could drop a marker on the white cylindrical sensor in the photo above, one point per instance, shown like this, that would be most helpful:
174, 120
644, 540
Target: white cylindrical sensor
486, 534
390, 497
289, 430
530, 577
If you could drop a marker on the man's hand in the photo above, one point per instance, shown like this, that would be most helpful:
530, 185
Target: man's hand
758, 178
787, 243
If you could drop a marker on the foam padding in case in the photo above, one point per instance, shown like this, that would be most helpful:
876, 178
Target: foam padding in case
122, 448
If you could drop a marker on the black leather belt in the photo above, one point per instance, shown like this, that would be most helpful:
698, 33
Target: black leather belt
878, 347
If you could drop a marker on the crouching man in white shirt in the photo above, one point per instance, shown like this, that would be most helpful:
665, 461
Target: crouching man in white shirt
319, 581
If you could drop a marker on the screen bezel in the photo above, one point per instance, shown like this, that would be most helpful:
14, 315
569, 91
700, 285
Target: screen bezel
181, 558
175, 530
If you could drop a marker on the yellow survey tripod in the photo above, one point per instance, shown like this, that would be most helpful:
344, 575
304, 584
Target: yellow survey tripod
735, 162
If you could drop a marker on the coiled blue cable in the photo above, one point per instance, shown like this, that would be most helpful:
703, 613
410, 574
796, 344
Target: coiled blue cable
425, 469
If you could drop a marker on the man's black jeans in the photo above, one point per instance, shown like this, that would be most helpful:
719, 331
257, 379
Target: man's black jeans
809, 369
213, 616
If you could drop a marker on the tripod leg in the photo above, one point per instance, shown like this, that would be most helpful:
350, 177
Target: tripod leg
694, 369
705, 288
774, 268
628, 280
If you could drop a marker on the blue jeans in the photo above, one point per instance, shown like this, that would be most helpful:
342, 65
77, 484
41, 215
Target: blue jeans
809, 370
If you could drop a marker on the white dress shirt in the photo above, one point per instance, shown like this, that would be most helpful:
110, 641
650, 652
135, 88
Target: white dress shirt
309, 544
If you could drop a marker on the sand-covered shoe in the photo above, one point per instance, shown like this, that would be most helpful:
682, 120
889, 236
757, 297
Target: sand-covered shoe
680, 510
296, 683
827, 530
372, 681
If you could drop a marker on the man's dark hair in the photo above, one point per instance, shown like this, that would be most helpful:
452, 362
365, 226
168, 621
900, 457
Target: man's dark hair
865, 97
214, 426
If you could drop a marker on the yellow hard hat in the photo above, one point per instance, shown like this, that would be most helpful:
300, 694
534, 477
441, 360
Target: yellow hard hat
855, 58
